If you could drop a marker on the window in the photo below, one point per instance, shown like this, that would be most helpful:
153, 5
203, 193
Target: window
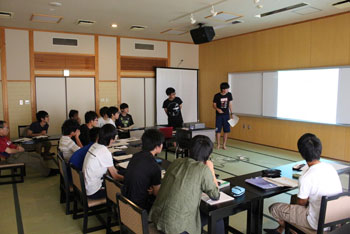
308, 95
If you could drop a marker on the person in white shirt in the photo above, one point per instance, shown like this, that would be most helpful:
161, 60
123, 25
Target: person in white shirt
98, 161
320, 179
113, 115
103, 116
67, 146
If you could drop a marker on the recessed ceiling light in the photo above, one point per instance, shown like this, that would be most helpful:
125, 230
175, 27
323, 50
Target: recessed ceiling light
55, 4
257, 16
114, 25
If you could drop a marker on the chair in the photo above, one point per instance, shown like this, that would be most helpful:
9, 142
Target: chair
113, 188
22, 130
66, 188
334, 212
168, 136
133, 218
90, 207
183, 139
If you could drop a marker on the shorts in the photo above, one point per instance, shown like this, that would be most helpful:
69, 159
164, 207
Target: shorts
222, 122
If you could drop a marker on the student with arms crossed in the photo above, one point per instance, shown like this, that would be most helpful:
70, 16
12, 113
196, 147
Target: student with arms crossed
320, 179
90, 122
143, 175
98, 161
172, 107
176, 209
40, 128
124, 122
222, 103
15, 154
67, 146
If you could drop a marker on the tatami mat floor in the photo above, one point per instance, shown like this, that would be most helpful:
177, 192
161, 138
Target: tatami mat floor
33, 206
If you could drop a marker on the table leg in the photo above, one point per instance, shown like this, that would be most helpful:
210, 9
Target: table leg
211, 225
226, 224
257, 216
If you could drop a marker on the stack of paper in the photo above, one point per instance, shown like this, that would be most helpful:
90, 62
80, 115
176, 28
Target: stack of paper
123, 164
24, 139
112, 150
223, 198
123, 157
282, 181
234, 120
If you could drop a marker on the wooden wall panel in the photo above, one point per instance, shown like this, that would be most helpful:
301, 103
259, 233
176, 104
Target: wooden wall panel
321, 42
61, 61
294, 46
330, 41
141, 64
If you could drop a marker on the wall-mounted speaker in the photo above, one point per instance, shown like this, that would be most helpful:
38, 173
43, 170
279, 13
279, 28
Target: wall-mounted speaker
202, 34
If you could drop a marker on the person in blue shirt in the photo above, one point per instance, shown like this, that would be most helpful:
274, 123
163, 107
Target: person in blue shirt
78, 157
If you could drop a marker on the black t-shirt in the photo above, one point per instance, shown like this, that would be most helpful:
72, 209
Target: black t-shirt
174, 112
35, 127
84, 135
124, 122
222, 102
142, 172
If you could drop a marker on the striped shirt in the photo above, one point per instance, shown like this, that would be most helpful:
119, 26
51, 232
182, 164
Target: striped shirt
67, 146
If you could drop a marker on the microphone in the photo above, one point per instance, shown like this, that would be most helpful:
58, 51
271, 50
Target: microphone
180, 63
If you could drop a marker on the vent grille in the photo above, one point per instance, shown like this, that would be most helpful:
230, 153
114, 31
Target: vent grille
139, 46
137, 28
82, 22
342, 4
64, 41
283, 9
6, 15
237, 22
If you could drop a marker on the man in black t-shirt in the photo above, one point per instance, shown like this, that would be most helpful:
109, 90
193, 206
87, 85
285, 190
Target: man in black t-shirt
172, 107
91, 121
40, 128
222, 103
125, 122
143, 175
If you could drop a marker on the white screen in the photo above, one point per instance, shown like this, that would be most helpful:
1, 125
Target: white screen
184, 81
309, 95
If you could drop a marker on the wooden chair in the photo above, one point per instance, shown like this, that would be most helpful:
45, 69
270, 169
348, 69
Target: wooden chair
90, 207
113, 188
183, 139
133, 218
66, 187
334, 212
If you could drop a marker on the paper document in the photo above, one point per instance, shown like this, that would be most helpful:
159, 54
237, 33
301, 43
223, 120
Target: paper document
122, 157
40, 137
123, 164
234, 120
24, 139
120, 143
112, 150
282, 181
223, 198
261, 183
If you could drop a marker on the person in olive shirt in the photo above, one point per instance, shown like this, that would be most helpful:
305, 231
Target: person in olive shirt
176, 209
124, 122
91, 121
143, 175
222, 103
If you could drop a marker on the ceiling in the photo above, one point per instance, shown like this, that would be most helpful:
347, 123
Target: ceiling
159, 15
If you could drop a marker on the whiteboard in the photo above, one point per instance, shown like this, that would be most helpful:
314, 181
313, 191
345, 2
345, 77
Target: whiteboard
185, 82
270, 94
81, 95
51, 97
247, 92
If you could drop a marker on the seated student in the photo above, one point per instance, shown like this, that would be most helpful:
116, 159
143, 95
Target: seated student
176, 209
98, 161
90, 122
321, 179
143, 175
40, 128
125, 122
67, 146
16, 154
103, 116
78, 156
113, 115
74, 114
172, 107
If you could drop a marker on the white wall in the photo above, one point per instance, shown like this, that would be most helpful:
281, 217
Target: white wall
107, 49
17, 54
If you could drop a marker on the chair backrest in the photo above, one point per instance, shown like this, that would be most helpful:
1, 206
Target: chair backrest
112, 189
167, 132
63, 169
183, 138
132, 216
334, 210
22, 130
78, 179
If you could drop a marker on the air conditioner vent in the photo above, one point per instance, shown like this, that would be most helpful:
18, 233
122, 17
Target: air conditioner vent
342, 4
6, 15
237, 22
137, 28
140, 46
65, 41
82, 22
288, 8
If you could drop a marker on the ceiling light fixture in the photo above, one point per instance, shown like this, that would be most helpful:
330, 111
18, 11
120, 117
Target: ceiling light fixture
55, 4
213, 12
193, 21
114, 25
256, 1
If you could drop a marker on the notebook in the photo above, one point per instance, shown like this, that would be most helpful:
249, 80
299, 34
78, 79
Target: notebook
223, 198
261, 183
223, 183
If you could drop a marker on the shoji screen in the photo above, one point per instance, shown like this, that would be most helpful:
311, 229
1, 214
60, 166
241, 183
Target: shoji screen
51, 97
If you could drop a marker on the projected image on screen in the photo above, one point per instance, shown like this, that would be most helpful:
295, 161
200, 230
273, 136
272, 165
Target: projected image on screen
308, 95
